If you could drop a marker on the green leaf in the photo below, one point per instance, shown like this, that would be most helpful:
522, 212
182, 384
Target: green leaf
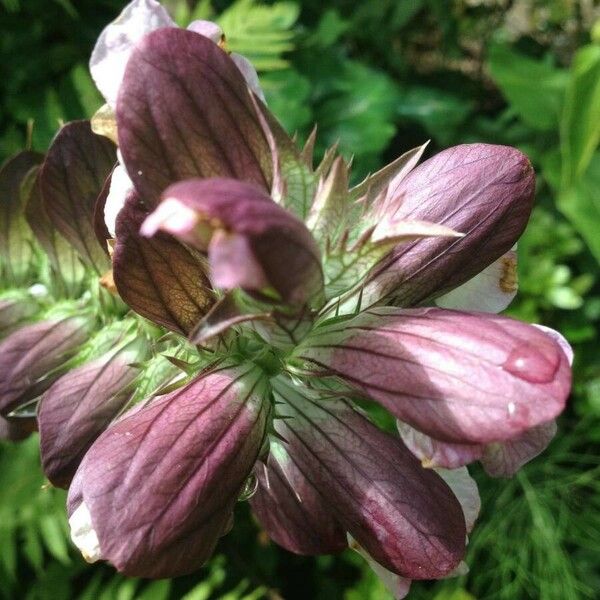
441, 113
157, 590
158, 372
203, 10
533, 88
580, 203
32, 547
287, 93
87, 93
54, 538
294, 182
8, 543
261, 33
580, 123
330, 28
456, 595
360, 111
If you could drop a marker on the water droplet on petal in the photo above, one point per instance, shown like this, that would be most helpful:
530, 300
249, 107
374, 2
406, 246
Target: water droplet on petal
533, 363
249, 489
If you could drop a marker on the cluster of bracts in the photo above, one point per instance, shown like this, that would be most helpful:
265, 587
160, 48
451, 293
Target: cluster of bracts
194, 312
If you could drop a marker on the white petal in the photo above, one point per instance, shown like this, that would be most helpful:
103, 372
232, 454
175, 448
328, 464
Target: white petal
396, 585
491, 291
120, 187
83, 534
112, 50
464, 487
249, 72
208, 29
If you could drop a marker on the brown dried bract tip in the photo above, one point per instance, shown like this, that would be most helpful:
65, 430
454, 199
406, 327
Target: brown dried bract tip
110, 246
108, 283
509, 281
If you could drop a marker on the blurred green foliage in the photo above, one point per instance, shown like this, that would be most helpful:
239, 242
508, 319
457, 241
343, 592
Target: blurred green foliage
379, 78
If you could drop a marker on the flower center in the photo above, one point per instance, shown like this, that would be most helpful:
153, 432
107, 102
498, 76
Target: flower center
270, 360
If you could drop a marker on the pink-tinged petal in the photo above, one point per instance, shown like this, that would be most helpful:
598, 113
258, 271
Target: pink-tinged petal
72, 177
158, 487
293, 512
16, 249
404, 516
75, 496
159, 278
560, 339
234, 265
505, 459
434, 453
81, 404
464, 487
185, 111
215, 34
459, 377
208, 29
249, 73
30, 353
499, 459
117, 40
492, 290
484, 191
397, 586
252, 242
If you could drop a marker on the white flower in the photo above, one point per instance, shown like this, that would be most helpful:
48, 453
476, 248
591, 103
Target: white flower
84, 535
140, 17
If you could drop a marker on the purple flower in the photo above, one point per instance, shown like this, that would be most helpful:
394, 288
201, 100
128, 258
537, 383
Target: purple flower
307, 296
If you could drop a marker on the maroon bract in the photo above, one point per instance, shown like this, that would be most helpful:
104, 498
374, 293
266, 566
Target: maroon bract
482, 190
72, 176
159, 278
159, 486
81, 404
29, 356
459, 377
187, 113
